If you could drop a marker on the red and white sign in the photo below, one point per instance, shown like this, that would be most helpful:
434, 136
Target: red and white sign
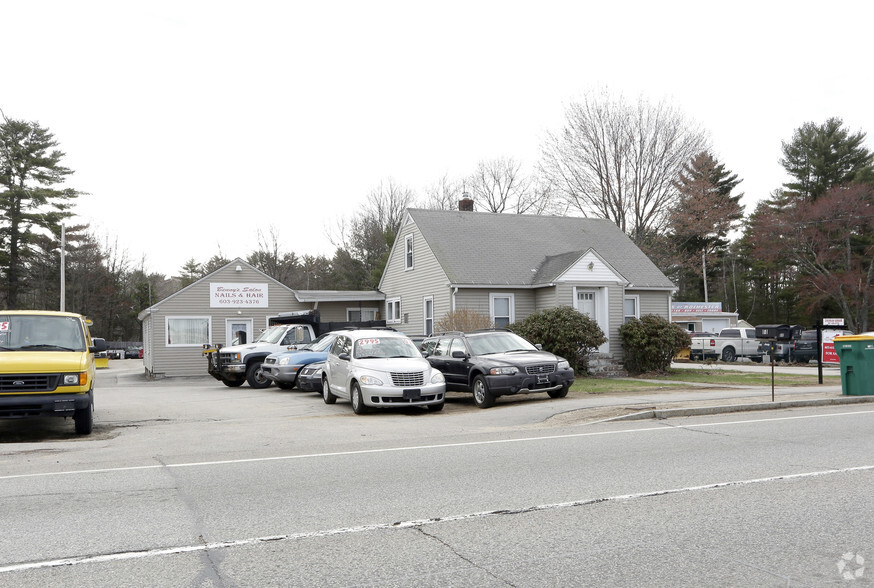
4, 326
833, 322
829, 355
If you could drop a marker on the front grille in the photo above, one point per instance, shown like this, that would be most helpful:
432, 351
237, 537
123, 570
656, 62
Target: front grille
225, 358
534, 370
407, 379
28, 382
399, 400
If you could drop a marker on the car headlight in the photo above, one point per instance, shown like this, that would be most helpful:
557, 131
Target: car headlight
503, 371
564, 365
437, 378
284, 361
370, 381
79, 379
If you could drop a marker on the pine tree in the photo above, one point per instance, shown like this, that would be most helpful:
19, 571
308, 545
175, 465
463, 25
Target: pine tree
705, 212
820, 157
30, 203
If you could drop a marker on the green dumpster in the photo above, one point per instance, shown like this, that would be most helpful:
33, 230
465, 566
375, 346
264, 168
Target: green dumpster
856, 353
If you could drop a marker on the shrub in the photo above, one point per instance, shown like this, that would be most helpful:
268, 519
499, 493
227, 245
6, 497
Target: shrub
463, 320
565, 332
650, 343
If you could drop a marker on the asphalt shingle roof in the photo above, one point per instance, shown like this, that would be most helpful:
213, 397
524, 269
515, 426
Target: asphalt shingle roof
514, 249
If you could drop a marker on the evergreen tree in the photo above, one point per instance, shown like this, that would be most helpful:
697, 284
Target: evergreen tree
31, 202
705, 213
822, 156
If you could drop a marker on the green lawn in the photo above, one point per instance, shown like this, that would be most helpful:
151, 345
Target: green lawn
681, 378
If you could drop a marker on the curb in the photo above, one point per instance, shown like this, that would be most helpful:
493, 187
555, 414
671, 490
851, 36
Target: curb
665, 413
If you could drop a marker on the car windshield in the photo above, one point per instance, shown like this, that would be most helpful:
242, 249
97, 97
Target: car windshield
271, 335
382, 347
323, 343
40, 333
498, 342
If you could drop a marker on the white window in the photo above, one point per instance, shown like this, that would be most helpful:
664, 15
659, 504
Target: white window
393, 310
361, 314
429, 315
632, 307
502, 309
188, 331
408, 252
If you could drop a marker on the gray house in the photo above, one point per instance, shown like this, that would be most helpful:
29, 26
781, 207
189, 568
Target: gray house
509, 266
234, 302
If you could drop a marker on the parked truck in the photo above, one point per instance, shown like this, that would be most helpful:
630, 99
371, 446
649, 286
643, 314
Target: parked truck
728, 345
234, 365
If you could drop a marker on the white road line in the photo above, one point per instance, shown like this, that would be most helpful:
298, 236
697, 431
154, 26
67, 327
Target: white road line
660, 428
129, 555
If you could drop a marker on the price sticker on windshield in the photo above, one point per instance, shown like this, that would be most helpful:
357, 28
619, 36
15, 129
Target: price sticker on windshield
368, 342
4, 326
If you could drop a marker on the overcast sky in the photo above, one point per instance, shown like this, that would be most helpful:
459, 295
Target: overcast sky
192, 125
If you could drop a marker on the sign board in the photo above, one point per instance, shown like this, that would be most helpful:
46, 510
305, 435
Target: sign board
833, 322
695, 307
233, 295
829, 355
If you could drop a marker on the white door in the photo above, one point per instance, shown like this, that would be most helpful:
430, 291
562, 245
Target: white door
238, 331
586, 303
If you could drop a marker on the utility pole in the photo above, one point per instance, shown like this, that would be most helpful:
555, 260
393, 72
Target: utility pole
63, 269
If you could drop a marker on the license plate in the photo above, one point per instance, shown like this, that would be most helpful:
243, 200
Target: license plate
543, 379
412, 394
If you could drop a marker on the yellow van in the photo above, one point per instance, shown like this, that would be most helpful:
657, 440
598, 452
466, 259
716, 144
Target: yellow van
47, 366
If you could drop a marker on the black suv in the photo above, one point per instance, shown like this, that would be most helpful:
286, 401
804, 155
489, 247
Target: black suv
494, 363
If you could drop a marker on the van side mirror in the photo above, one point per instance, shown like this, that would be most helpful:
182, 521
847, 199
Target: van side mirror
98, 345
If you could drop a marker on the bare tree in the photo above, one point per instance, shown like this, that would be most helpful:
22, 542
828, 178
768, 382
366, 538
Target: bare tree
498, 185
619, 161
444, 194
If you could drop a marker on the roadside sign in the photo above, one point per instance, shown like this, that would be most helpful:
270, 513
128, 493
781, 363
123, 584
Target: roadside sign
833, 322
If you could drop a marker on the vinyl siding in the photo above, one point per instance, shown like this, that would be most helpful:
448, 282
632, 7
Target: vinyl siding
653, 302
412, 286
545, 298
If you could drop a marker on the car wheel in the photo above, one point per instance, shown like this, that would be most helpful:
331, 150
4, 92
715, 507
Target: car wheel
728, 354
436, 407
560, 393
233, 383
482, 396
357, 399
255, 376
327, 396
84, 419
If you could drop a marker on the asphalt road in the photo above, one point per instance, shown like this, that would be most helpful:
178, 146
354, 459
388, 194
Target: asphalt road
188, 483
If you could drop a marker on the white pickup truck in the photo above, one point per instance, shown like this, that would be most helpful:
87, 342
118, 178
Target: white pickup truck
727, 346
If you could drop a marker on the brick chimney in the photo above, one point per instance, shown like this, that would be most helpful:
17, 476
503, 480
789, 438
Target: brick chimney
466, 203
